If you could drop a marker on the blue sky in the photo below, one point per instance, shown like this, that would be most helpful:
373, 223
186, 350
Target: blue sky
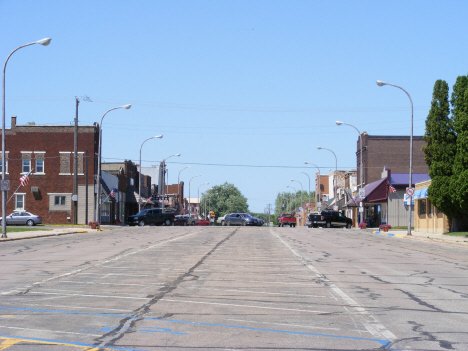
253, 83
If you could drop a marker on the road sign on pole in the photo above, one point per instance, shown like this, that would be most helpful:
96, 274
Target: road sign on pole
362, 193
410, 191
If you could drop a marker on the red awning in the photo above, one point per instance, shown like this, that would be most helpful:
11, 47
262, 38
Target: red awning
375, 192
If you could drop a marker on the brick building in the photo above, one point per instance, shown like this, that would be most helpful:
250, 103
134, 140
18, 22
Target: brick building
49, 152
391, 151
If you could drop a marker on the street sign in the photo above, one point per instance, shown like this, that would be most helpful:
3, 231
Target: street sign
362, 193
5, 185
361, 209
335, 208
410, 191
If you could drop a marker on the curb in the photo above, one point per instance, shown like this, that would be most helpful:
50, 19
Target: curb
43, 236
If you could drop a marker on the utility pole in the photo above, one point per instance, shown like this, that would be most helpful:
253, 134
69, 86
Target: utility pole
75, 166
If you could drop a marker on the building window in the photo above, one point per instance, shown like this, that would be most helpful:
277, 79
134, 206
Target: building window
422, 207
1, 166
26, 165
19, 202
65, 163
39, 166
59, 200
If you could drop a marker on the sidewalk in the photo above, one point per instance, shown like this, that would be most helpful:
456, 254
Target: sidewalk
440, 238
45, 233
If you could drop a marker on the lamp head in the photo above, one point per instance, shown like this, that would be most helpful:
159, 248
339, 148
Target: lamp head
177, 155
292, 180
127, 106
158, 137
338, 123
44, 42
380, 83
319, 147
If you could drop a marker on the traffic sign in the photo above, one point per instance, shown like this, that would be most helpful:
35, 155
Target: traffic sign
410, 191
362, 193
5, 185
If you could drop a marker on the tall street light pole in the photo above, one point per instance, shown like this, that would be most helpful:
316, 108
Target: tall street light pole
295, 191
308, 163
198, 175
308, 207
98, 176
139, 180
302, 189
181, 199
198, 194
43, 42
361, 185
336, 174
164, 176
381, 84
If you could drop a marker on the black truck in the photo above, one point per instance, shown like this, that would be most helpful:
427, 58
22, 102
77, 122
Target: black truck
151, 216
328, 219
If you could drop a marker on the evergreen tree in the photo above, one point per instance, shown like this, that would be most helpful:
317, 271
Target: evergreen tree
459, 183
440, 151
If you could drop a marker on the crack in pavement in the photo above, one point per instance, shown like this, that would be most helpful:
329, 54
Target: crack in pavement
127, 324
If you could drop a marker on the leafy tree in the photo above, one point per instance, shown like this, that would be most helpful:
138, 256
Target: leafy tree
288, 202
446, 152
225, 199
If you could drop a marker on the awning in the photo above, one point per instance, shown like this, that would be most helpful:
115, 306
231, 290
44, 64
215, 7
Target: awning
375, 192
420, 194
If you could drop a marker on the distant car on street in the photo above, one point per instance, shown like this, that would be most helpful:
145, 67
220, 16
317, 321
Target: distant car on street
221, 220
287, 219
151, 216
240, 219
328, 219
184, 220
22, 218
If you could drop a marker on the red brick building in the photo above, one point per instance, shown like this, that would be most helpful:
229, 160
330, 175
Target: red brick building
49, 152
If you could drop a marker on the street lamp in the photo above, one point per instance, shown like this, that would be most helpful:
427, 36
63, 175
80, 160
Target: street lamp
381, 84
302, 189
98, 177
164, 176
139, 182
336, 173
308, 207
360, 142
295, 191
198, 194
43, 42
178, 184
199, 175
308, 163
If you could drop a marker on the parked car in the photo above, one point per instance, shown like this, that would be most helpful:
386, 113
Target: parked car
240, 219
184, 220
22, 218
151, 216
287, 219
259, 221
221, 220
203, 222
328, 219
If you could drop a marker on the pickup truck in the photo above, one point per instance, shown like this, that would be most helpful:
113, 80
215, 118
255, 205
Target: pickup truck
287, 219
151, 216
328, 219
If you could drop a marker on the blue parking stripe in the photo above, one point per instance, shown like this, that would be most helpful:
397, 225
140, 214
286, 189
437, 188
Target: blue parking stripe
384, 343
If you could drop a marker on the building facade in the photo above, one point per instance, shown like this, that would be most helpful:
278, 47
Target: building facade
47, 151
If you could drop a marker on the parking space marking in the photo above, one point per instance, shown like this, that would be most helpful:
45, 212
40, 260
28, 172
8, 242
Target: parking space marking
382, 342
371, 324
257, 292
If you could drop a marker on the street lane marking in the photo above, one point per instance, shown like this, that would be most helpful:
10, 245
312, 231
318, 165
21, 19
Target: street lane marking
255, 292
369, 321
30, 286
46, 330
286, 324
380, 341
12, 340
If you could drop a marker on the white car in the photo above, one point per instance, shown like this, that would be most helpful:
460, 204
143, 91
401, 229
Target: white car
220, 220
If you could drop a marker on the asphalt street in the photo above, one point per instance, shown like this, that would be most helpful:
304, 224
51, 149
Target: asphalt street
232, 288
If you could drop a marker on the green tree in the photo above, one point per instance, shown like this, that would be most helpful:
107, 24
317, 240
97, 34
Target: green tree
224, 199
288, 202
447, 150
459, 183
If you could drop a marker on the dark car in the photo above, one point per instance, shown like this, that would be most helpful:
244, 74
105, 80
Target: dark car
22, 218
184, 220
151, 216
329, 219
240, 219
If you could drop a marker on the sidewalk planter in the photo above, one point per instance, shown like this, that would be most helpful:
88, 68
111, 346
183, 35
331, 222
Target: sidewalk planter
385, 227
362, 225
94, 224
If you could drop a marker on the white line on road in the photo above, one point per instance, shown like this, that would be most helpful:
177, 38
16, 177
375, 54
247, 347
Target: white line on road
370, 322
45, 330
